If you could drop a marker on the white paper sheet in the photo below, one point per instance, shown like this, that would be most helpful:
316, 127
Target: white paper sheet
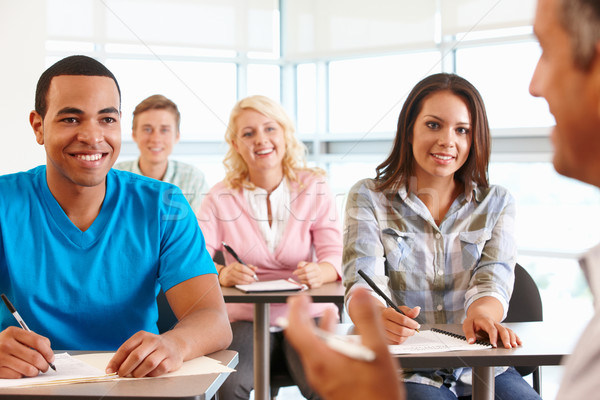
429, 341
90, 368
278, 285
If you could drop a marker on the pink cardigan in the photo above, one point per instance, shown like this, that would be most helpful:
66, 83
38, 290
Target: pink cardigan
312, 233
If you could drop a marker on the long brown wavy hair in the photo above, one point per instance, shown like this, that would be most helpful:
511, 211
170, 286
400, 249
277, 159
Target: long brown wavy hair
399, 167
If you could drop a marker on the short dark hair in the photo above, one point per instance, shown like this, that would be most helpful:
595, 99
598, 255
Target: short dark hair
398, 168
72, 65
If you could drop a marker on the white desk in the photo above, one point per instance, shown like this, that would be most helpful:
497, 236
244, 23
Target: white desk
543, 344
193, 387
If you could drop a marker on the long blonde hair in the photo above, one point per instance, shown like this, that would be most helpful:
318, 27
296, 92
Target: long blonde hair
295, 151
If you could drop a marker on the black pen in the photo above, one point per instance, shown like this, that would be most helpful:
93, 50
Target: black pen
238, 259
15, 314
380, 292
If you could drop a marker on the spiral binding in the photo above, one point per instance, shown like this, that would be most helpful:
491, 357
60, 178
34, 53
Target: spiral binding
457, 336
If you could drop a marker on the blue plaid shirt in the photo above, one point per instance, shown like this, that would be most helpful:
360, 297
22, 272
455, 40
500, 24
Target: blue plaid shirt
442, 269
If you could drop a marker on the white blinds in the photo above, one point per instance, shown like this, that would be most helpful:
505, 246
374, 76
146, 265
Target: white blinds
312, 28
241, 25
475, 15
316, 28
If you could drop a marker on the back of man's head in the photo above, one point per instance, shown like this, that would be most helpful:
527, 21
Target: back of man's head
73, 65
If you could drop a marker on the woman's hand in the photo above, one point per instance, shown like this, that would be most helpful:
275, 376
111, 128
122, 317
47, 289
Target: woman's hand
483, 316
493, 329
399, 327
237, 274
315, 274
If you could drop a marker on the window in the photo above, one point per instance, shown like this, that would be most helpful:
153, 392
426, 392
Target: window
366, 94
203, 91
502, 73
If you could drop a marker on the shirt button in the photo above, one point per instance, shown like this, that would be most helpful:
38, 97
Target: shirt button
439, 307
398, 239
440, 272
438, 235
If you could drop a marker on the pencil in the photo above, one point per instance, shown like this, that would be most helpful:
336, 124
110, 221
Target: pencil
380, 292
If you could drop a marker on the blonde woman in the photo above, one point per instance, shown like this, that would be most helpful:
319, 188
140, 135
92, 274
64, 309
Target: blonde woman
280, 218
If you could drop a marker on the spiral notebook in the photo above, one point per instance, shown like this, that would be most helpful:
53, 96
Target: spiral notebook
436, 340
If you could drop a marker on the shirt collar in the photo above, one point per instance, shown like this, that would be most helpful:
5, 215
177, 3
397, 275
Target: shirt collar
167, 177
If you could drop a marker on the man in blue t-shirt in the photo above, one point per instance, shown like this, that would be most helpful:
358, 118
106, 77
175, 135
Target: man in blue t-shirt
85, 249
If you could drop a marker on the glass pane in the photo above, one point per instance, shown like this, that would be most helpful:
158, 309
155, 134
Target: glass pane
264, 79
571, 297
553, 212
204, 92
366, 94
69, 18
210, 165
342, 176
306, 75
502, 74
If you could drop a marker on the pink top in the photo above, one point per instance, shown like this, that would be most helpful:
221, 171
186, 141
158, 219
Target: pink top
312, 234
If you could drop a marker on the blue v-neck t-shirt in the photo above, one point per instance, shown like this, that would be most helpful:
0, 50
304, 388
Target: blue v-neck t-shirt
92, 290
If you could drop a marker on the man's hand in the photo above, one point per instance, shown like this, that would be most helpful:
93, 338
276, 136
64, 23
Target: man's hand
146, 354
23, 353
336, 376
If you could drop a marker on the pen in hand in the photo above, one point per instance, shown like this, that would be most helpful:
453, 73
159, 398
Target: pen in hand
238, 259
15, 314
340, 343
380, 292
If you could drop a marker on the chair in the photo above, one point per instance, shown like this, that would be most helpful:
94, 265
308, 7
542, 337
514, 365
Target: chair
526, 305
166, 316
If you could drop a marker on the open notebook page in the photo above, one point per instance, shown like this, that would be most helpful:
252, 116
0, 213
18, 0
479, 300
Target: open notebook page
431, 341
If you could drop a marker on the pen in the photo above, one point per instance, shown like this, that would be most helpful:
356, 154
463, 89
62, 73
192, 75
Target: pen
238, 259
340, 343
15, 314
380, 292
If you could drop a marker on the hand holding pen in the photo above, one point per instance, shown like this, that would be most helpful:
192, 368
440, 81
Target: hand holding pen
241, 273
27, 352
396, 321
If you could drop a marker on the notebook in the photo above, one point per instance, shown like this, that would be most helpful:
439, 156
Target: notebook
278, 285
436, 340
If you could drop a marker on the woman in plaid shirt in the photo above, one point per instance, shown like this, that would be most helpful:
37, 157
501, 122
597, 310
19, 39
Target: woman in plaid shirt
435, 235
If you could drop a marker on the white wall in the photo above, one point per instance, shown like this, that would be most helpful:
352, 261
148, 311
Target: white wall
22, 41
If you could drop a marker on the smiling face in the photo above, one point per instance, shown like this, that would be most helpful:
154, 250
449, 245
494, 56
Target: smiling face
441, 136
81, 130
573, 96
260, 141
155, 133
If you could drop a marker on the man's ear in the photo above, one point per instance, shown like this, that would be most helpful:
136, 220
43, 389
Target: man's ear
37, 123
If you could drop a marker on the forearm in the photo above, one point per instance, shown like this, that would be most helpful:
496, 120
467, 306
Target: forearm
201, 332
488, 307
203, 325
328, 272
